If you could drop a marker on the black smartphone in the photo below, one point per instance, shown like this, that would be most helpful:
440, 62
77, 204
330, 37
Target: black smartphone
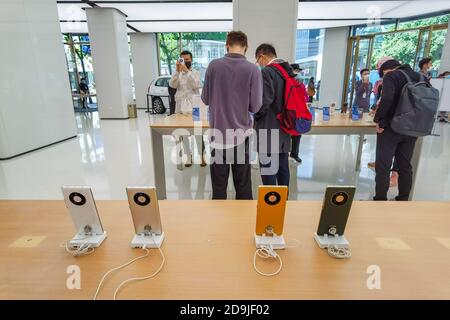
335, 210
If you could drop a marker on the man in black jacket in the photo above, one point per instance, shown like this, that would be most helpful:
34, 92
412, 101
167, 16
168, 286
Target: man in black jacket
389, 143
273, 143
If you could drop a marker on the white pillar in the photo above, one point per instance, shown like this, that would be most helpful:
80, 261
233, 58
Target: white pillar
35, 98
333, 65
445, 58
268, 21
111, 61
144, 55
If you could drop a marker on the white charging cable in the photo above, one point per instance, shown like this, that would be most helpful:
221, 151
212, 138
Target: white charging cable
82, 250
267, 252
336, 251
142, 278
147, 252
339, 252
79, 250
118, 268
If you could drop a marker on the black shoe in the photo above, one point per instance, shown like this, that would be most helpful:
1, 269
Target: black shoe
297, 159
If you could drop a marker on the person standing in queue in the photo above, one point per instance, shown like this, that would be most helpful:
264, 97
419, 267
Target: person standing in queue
233, 91
391, 144
274, 144
295, 140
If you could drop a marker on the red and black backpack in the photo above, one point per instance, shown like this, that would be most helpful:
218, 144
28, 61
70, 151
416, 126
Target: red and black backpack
295, 118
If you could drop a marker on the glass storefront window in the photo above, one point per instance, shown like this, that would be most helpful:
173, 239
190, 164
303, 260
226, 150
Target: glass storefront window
363, 30
169, 50
399, 45
205, 47
436, 47
308, 53
79, 65
424, 22
412, 41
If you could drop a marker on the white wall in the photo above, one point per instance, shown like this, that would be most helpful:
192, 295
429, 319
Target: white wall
333, 65
445, 59
35, 97
268, 21
144, 55
111, 61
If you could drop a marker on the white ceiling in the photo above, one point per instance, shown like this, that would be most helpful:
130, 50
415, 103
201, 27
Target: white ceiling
217, 16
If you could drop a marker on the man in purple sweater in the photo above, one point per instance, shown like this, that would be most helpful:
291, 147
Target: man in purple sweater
233, 91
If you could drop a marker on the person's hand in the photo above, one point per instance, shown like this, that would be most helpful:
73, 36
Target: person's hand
379, 130
177, 66
183, 68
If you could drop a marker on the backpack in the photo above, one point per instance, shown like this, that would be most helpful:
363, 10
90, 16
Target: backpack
295, 118
416, 109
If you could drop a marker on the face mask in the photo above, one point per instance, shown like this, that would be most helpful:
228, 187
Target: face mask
188, 64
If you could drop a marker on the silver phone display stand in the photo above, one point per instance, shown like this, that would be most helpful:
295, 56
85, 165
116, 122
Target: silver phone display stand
149, 240
326, 241
86, 237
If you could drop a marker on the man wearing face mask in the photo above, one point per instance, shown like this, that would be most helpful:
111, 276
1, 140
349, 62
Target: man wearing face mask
273, 153
363, 89
186, 81
391, 144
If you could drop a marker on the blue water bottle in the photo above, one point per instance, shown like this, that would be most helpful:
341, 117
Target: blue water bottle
355, 113
196, 113
313, 112
326, 113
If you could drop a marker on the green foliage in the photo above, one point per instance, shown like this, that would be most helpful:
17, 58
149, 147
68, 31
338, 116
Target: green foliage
402, 45
169, 43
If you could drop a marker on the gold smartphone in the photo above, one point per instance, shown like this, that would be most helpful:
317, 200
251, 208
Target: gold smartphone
270, 210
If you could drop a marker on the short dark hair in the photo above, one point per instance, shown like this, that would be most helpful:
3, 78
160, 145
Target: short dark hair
424, 61
266, 49
186, 52
237, 38
364, 70
296, 66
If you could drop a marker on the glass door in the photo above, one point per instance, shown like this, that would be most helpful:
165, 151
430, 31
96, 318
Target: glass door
358, 58
422, 47
79, 65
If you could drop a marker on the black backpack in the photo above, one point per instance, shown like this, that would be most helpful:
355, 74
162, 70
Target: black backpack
416, 109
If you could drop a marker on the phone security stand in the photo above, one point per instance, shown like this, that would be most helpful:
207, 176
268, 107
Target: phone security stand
149, 240
276, 242
326, 241
87, 238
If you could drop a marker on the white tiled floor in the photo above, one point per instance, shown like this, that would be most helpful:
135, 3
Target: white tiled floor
109, 155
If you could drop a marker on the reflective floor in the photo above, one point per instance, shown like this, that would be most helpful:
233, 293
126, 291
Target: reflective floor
109, 155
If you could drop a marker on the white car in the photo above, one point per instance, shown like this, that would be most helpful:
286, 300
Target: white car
158, 93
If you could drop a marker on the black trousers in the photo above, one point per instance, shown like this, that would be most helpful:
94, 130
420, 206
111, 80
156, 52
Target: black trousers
389, 145
172, 103
281, 175
295, 145
238, 160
